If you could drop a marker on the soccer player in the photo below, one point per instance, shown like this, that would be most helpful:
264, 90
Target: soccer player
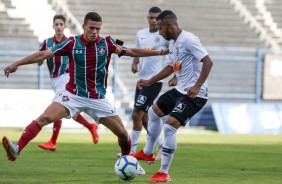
191, 64
89, 58
59, 74
146, 68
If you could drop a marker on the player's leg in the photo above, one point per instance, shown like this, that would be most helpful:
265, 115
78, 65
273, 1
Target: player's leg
92, 127
52, 143
58, 85
184, 109
114, 123
144, 99
102, 112
53, 112
159, 141
137, 115
166, 103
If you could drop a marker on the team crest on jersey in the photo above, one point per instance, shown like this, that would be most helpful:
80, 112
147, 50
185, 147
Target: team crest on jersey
157, 39
179, 108
177, 51
101, 50
141, 100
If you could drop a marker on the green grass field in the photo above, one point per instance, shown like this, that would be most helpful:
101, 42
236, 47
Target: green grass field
208, 158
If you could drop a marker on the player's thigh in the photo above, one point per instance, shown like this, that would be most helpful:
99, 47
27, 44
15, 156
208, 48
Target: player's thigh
145, 97
53, 112
99, 108
166, 101
185, 108
115, 124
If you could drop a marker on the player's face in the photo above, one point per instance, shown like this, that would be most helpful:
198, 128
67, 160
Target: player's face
152, 20
163, 30
59, 26
91, 30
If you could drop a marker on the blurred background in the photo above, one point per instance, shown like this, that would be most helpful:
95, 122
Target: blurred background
243, 38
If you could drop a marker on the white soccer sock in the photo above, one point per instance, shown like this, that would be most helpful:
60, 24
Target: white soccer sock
169, 147
135, 135
154, 131
159, 141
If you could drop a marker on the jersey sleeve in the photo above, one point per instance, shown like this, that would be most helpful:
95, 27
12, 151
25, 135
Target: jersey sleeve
137, 44
195, 47
114, 48
64, 48
170, 57
43, 46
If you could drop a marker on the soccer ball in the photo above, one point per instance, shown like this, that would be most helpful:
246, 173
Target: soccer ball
126, 167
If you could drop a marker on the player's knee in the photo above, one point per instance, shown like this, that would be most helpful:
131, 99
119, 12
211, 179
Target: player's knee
44, 119
152, 115
136, 115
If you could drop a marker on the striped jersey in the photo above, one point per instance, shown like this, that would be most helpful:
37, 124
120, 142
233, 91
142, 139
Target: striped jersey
57, 65
88, 64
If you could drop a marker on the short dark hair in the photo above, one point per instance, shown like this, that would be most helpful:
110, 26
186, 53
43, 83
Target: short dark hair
59, 16
155, 9
167, 15
92, 16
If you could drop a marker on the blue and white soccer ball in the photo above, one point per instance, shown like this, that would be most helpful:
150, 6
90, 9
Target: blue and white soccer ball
127, 167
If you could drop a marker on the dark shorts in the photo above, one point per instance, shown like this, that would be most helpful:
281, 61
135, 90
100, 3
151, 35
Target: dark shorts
179, 105
145, 97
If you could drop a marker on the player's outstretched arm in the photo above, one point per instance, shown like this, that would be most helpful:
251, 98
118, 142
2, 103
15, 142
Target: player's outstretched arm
166, 71
33, 58
137, 52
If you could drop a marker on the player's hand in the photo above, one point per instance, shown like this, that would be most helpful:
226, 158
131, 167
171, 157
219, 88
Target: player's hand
193, 91
142, 82
172, 81
134, 68
10, 69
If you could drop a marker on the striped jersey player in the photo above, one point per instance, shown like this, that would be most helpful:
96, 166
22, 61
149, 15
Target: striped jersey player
89, 58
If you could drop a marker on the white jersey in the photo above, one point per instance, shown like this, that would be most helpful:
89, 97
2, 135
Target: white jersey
185, 55
150, 66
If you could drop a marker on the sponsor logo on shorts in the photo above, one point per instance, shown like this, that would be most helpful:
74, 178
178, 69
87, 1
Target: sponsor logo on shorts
65, 98
179, 107
141, 100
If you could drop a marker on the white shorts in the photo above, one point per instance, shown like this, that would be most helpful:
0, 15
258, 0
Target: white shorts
95, 108
59, 83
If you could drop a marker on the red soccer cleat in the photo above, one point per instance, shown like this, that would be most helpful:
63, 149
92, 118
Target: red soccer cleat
48, 146
11, 148
159, 177
140, 155
94, 133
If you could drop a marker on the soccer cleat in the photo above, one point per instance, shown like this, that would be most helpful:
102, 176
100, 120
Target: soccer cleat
48, 146
159, 177
119, 154
159, 153
94, 133
11, 148
141, 171
140, 155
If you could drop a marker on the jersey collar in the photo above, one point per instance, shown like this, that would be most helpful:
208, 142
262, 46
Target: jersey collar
56, 41
85, 42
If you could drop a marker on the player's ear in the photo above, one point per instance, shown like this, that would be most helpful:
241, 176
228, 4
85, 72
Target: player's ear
169, 24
